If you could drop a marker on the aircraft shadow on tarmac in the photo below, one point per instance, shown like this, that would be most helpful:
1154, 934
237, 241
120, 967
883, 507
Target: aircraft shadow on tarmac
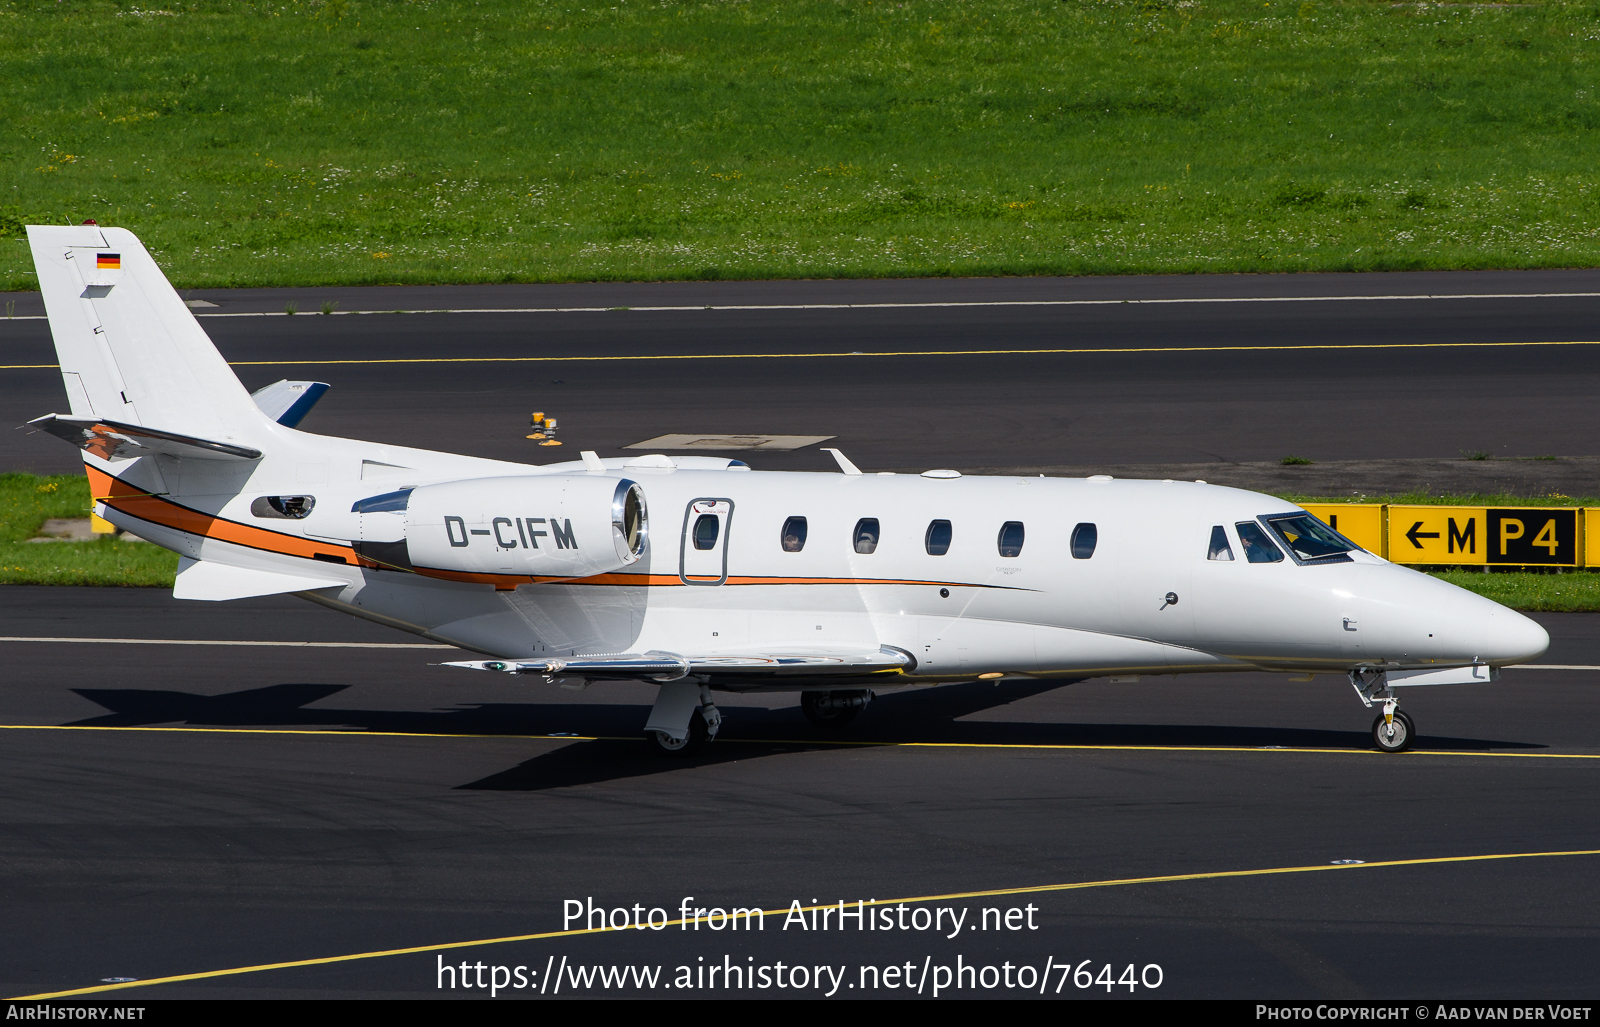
925, 715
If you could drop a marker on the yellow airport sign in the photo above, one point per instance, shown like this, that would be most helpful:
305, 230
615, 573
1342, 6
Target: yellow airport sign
1524, 536
1361, 523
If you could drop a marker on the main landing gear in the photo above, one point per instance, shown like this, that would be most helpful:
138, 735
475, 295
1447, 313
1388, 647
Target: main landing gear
1393, 731
699, 733
683, 719
831, 711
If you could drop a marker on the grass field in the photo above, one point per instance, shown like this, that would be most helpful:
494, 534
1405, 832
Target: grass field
364, 141
27, 501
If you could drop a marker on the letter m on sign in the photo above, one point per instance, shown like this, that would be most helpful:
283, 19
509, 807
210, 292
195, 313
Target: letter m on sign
562, 530
1467, 540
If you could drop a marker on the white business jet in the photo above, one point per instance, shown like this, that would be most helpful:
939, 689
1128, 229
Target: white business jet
702, 575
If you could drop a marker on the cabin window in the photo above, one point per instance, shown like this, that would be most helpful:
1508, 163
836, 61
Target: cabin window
706, 527
1220, 549
866, 535
937, 540
1084, 538
1010, 540
1309, 539
283, 507
793, 535
1257, 547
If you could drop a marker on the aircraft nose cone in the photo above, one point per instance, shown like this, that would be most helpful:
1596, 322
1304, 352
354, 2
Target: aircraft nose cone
1512, 638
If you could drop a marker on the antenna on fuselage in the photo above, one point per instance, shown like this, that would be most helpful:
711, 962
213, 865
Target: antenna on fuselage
844, 462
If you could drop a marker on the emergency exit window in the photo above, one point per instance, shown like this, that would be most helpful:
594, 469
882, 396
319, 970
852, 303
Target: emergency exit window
706, 528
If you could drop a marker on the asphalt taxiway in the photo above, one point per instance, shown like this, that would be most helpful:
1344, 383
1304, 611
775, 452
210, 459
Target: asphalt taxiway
1017, 372
176, 810
182, 809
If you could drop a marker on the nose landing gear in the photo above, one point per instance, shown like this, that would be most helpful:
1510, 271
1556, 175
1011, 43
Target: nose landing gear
1393, 731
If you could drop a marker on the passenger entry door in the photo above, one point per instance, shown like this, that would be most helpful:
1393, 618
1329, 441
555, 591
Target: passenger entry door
704, 555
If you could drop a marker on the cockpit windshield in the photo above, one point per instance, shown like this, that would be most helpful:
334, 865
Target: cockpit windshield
1309, 539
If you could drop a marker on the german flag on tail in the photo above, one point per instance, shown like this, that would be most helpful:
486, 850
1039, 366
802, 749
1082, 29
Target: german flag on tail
108, 261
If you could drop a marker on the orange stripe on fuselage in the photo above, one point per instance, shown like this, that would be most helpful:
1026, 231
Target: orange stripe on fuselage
506, 582
136, 502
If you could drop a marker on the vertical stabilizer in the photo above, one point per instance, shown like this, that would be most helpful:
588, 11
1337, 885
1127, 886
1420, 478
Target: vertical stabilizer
130, 350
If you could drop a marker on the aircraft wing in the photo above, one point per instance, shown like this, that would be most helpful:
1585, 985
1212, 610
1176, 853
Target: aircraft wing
656, 665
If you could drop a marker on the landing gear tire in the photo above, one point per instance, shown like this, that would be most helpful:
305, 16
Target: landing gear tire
663, 744
832, 711
1394, 738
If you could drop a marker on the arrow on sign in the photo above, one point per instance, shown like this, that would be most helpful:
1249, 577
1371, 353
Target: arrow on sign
1414, 534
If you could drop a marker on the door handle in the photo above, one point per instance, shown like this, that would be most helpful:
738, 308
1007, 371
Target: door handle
1171, 600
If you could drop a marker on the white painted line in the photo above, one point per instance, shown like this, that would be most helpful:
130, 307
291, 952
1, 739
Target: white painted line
952, 303
201, 641
1550, 666
906, 306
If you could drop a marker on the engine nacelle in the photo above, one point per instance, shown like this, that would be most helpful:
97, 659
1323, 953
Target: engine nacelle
546, 526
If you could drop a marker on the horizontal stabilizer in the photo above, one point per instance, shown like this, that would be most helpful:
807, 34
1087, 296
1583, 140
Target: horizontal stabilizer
218, 581
288, 402
114, 440
662, 666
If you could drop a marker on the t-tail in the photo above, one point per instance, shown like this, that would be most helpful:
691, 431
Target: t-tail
178, 452
139, 371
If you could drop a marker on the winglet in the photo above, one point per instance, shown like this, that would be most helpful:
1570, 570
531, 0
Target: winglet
844, 462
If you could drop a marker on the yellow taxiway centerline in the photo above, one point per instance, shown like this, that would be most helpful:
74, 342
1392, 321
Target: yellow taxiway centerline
892, 353
987, 893
864, 743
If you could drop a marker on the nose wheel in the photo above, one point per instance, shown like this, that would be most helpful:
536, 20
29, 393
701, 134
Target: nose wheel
1393, 732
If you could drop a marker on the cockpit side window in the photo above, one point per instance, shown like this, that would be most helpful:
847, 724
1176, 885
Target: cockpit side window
1310, 540
1257, 547
1219, 549
794, 534
865, 537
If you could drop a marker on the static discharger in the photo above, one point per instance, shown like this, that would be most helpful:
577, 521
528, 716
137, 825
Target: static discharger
544, 429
